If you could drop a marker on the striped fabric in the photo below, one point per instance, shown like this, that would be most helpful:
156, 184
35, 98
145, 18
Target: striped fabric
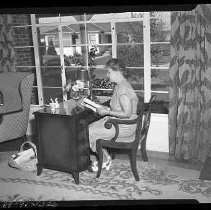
14, 125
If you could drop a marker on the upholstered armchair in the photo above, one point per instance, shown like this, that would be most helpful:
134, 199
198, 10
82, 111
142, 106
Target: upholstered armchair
15, 92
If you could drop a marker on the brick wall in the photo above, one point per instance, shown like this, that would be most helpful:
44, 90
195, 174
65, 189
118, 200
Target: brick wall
22, 36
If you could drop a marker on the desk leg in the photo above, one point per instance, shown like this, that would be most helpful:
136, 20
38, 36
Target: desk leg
39, 169
76, 177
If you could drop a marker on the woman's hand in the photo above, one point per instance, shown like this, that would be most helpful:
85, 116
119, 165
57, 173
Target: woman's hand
103, 110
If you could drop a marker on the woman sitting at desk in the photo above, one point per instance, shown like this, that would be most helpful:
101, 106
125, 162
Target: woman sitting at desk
123, 105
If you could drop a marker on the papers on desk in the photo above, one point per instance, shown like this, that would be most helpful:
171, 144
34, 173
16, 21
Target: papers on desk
90, 104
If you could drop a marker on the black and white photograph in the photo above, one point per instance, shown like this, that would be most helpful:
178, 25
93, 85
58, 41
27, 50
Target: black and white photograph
105, 104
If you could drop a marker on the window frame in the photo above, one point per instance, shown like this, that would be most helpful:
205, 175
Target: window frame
148, 68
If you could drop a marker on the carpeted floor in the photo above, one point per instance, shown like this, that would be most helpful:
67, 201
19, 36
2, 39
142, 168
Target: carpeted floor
156, 182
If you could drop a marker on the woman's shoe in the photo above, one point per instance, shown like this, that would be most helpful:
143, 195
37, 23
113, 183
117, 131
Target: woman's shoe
107, 164
90, 167
95, 166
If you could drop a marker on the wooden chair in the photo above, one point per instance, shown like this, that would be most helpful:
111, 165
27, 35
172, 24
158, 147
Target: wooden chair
130, 148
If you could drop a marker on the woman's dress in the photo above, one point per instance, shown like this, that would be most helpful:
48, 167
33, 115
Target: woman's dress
126, 132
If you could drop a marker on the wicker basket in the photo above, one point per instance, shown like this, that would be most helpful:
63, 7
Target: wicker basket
28, 165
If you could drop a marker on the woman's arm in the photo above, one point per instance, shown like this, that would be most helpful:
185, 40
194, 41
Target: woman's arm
126, 105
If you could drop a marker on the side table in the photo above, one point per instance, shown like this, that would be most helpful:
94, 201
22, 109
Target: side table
62, 141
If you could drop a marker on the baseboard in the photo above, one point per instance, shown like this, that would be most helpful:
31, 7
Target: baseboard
150, 154
206, 170
158, 154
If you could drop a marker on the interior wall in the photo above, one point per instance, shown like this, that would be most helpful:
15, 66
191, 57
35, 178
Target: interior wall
157, 139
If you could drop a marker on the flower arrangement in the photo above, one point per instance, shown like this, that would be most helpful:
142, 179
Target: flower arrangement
75, 89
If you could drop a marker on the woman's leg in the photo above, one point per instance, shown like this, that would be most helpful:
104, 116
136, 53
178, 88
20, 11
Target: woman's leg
98, 131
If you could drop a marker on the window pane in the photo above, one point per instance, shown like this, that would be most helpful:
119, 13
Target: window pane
52, 93
72, 35
160, 55
70, 73
24, 56
101, 81
48, 40
136, 77
129, 32
72, 18
51, 76
162, 103
103, 53
74, 43
159, 30
99, 33
160, 79
132, 55
47, 18
140, 94
98, 17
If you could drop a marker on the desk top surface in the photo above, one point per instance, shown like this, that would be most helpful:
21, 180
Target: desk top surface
69, 107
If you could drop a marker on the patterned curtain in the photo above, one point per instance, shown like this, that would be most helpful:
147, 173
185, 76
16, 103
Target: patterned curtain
190, 90
6, 45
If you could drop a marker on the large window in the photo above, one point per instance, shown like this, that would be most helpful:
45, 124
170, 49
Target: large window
63, 43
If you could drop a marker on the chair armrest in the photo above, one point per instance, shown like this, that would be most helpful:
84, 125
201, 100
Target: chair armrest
115, 122
11, 100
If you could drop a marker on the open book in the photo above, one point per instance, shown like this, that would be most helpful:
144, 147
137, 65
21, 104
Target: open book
90, 104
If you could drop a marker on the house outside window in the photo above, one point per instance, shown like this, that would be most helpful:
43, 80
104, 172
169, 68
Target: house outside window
62, 43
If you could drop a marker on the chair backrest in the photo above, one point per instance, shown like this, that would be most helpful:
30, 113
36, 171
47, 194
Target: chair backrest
146, 118
144, 112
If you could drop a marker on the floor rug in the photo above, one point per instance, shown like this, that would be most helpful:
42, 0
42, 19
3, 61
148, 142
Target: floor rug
156, 182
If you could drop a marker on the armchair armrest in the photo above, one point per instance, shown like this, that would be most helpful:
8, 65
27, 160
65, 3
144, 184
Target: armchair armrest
11, 100
115, 122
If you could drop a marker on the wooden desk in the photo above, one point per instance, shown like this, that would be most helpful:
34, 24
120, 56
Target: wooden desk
62, 140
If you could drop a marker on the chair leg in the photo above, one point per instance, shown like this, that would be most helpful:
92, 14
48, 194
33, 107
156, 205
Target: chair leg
143, 150
100, 158
112, 155
133, 166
